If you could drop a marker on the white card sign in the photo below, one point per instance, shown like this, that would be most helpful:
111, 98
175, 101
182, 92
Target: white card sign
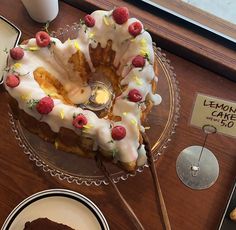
214, 111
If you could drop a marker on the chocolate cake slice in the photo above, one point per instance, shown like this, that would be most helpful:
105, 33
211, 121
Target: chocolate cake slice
45, 223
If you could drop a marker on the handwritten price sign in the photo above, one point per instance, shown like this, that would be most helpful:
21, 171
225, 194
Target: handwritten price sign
214, 111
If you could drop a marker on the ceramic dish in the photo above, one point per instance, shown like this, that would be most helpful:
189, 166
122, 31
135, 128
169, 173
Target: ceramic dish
226, 223
59, 205
9, 38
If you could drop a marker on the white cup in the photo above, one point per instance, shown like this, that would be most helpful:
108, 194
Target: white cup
41, 10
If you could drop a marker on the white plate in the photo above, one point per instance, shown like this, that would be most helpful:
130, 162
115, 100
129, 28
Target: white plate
9, 38
59, 205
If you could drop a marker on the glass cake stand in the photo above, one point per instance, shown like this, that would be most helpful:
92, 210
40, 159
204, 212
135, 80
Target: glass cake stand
161, 123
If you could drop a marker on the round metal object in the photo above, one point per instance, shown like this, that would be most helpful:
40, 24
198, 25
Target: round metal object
195, 173
101, 97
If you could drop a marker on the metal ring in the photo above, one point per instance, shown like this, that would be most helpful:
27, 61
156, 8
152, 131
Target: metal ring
209, 129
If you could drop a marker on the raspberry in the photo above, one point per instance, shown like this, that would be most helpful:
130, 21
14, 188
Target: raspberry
138, 61
16, 53
89, 20
135, 28
79, 121
12, 80
42, 39
45, 105
134, 95
118, 132
120, 15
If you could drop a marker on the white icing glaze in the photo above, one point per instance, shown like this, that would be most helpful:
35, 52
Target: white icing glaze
55, 61
142, 158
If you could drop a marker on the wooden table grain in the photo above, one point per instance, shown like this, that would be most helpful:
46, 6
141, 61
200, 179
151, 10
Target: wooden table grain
188, 209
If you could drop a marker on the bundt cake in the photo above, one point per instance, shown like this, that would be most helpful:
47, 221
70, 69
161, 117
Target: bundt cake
91, 93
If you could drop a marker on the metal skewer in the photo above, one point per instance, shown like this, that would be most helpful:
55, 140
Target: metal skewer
128, 209
157, 187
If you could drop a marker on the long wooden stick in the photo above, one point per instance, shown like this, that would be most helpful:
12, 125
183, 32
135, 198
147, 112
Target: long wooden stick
128, 209
157, 187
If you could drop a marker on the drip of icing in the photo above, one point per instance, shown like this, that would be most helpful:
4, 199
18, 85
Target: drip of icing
142, 158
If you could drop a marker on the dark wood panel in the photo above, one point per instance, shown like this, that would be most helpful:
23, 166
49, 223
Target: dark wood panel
188, 209
203, 17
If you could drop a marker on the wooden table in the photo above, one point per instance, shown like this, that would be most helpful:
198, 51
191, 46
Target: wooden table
188, 209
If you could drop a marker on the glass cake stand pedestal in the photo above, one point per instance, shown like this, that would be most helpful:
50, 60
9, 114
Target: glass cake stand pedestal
160, 125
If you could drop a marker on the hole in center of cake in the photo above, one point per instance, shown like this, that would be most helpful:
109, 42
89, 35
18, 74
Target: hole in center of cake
103, 87
103, 83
